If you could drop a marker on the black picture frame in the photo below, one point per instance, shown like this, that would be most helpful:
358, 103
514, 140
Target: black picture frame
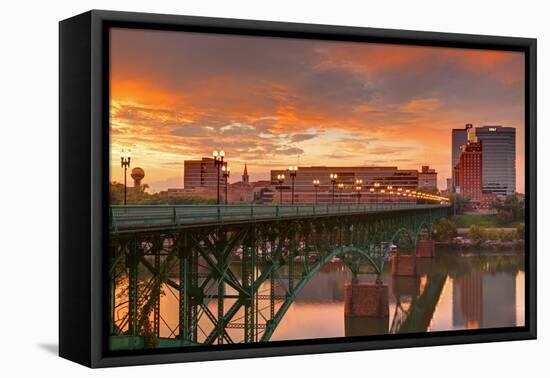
83, 197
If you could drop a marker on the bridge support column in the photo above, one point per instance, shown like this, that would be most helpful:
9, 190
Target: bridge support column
366, 300
406, 286
404, 265
425, 248
365, 325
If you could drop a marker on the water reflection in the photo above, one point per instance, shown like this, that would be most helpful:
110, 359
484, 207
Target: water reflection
451, 291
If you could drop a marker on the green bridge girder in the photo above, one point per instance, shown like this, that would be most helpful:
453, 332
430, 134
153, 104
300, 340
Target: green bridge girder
239, 273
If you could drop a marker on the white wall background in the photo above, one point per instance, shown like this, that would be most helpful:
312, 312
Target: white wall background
29, 189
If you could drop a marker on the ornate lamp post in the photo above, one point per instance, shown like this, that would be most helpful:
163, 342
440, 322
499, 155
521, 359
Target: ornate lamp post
341, 189
390, 192
125, 157
281, 180
358, 188
292, 170
371, 190
218, 162
226, 170
316, 184
333, 178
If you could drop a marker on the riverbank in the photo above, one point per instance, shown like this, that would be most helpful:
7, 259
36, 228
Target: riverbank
483, 220
486, 245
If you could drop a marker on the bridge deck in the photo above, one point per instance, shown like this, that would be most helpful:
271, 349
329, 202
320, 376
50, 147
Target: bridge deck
137, 217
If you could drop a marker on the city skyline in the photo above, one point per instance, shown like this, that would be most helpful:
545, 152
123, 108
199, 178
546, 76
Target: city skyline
273, 102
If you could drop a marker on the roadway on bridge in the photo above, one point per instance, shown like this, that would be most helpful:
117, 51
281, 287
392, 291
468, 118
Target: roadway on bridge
138, 217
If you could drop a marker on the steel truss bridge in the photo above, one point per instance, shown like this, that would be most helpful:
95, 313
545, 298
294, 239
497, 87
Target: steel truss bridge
234, 270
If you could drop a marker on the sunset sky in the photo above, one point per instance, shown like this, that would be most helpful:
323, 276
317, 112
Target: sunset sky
271, 102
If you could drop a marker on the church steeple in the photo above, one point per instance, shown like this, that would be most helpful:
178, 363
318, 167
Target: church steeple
245, 174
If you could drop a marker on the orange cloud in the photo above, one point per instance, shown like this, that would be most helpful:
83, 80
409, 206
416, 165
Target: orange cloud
329, 99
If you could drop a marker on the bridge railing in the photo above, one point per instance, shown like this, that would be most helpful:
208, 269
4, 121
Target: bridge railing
139, 216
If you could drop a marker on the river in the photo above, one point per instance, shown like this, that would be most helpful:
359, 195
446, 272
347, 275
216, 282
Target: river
453, 291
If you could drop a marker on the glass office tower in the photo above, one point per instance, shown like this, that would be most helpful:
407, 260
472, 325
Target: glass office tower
499, 159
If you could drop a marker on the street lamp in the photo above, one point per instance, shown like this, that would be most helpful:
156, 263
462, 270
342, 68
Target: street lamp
281, 180
226, 172
218, 163
341, 189
292, 171
316, 184
358, 188
390, 191
125, 157
333, 178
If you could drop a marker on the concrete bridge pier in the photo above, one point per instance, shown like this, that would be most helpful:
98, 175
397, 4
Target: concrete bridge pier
366, 300
403, 286
424, 266
412, 265
403, 265
425, 248
365, 325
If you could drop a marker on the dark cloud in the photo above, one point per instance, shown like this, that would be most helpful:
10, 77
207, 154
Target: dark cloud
302, 137
289, 151
193, 130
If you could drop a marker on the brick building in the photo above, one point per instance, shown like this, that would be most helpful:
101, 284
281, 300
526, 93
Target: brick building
469, 170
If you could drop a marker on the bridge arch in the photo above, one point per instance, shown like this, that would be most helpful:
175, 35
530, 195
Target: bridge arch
402, 230
272, 326
413, 233
428, 226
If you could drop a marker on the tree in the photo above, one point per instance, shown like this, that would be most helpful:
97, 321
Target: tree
445, 229
459, 202
141, 197
512, 208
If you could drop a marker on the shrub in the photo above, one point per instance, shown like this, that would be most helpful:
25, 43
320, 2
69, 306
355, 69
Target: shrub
477, 233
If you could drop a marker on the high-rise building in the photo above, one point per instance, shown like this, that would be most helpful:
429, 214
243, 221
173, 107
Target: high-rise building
450, 185
499, 159
459, 138
470, 171
201, 174
427, 178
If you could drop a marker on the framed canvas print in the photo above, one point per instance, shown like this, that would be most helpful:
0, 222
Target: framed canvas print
233, 188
